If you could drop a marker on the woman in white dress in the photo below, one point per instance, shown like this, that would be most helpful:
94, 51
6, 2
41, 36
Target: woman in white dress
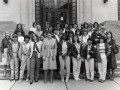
4, 50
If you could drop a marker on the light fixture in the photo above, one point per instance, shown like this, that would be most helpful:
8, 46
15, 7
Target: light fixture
105, 1
5, 1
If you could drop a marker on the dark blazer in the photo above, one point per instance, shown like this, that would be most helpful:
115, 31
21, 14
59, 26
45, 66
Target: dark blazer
92, 52
112, 58
5, 44
74, 51
60, 48
10, 51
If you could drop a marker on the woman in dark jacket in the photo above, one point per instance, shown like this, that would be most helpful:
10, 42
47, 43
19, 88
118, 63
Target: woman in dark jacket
76, 57
64, 50
111, 58
89, 55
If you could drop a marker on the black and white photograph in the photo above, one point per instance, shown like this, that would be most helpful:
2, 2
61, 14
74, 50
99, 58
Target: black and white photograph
59, 44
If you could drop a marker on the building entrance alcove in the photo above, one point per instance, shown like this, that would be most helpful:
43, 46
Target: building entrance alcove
64, 11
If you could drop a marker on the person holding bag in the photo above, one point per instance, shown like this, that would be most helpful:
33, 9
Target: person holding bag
112, 65
89, 55
102, 52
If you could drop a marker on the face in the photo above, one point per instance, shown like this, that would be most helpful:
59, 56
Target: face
75, 25
19, 26
85, 33
26, 40
58, 25
101, 40
78, 32
15, 39
34, 37
50, 29
109, 35
7, 35
39, 28
56, 31
64, 37
89, 42
49, 35
35, 25
66, 25
75, 38
61, 31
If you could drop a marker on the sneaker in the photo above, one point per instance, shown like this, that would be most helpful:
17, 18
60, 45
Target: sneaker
20, 81
66, 80
62, 80
27, 80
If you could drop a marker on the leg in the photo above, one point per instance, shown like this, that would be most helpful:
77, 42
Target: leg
51, 76
32, 68
5, 70
87, 69
112, 78
104, 67
100, 70
75, 68
12, 63
37, 69
67, 64
28, 68
92, 69
62, 65
16, 68
22, 69
45, 73
78, 68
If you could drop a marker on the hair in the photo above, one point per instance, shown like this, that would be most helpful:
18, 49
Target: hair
34, 24
89, 39
110, 33
95, 24
63, 36
77, 39
14, 36
104, 41
18, 25
84, 24
30, 32
33, 38
26, 37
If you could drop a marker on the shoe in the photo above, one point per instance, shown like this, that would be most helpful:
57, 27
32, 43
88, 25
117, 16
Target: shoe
87, 79
36, 80
91, 80
112, 78
11, 79
27, 80
66, 80
102, 81
20, 81
31, 82
62, 80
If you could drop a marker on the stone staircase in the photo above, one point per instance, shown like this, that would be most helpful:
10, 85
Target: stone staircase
110, 25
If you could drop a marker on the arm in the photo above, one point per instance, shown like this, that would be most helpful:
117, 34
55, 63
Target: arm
2, 46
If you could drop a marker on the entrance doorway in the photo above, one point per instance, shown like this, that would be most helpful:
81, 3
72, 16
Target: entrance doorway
53, 11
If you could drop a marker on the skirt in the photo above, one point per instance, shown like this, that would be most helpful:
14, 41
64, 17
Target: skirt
5, 58
49, 63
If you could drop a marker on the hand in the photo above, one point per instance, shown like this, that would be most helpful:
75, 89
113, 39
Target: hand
43, 58
78, 57
88, 56
53, 58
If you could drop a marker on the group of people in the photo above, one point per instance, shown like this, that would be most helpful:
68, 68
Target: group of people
57, 48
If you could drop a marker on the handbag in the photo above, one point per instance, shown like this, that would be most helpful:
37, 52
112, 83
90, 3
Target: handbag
115, 49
